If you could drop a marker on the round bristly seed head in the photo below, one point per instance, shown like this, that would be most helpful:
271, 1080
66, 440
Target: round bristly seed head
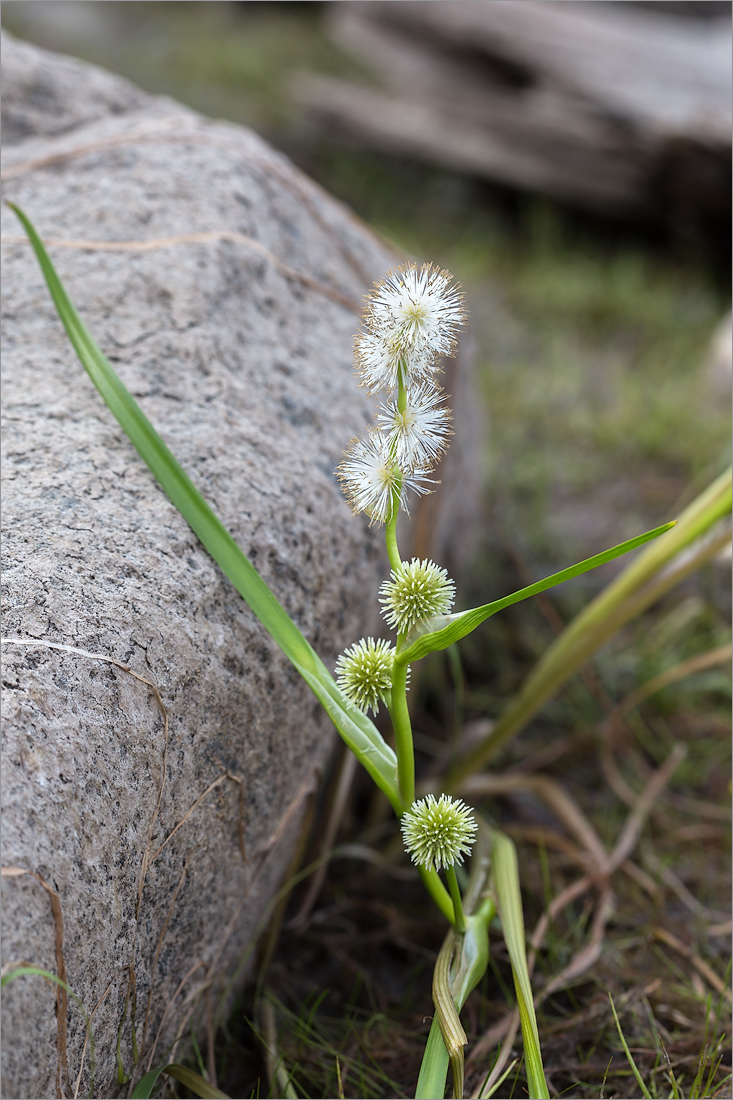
411, 319
364, 672
438, 833
419, 432
372, 480
418, 590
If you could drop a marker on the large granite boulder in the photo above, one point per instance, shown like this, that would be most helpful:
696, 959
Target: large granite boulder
159, 752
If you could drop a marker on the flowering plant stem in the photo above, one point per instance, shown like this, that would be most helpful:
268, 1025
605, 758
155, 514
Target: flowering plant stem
459, 920
400, 715
434, 886
423, 312
393, 552
401, 393
461, 964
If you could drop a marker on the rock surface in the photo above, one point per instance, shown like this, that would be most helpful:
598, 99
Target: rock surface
148, 833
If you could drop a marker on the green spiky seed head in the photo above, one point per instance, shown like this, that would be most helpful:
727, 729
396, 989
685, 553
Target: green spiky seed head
364, 673
438, 833
416, 591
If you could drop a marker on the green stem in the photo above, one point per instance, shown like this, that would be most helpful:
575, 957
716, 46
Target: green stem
455, 893
400, 715
439, 894
393, 552
453, 985
401, 395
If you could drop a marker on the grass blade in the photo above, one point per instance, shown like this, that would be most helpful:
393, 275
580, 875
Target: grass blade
487, 1095
458, 626
639, 1079
193, 1081
359, 733
144, 1088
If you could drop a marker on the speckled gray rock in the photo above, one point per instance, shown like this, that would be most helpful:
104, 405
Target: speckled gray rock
43, 99
229, 313
245, 367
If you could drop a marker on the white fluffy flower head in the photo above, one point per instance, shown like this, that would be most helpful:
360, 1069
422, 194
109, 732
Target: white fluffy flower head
411, 320
383, 359
364, 673
419, 590
420, 432
438, 833
373, 481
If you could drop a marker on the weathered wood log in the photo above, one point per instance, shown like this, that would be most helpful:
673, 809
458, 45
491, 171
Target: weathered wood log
590, 103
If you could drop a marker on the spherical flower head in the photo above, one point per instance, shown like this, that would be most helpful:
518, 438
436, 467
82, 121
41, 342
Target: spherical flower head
438, 833
411, 320
418, 590
383, 359
419, 433
364, 673
373, 481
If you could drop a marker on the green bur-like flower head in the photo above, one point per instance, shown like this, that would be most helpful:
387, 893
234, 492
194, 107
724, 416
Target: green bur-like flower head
438, 833
414, 592
364, 672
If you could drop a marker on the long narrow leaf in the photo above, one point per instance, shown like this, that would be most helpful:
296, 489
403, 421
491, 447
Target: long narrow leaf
195, 1082
634, 1068
461, 965
359, 733
144, 1088
434, 1067
509, 902
701, 531
452, 628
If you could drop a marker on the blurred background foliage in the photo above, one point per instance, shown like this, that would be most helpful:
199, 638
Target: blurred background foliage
593, 335
604, 376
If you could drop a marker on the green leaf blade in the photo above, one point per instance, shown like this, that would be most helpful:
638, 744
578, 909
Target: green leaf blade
702, 530
144, 1088
458, 626
434, 1067
360, 734
509, 903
